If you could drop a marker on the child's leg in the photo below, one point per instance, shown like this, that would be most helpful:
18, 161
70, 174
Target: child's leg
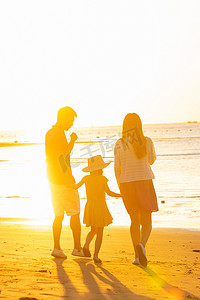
98, 241
90, 237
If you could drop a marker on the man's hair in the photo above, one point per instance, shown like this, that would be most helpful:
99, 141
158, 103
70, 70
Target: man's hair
64, 113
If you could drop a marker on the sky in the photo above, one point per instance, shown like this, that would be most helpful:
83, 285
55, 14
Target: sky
103, 58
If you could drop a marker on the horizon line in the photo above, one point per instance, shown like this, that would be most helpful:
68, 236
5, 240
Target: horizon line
99, 126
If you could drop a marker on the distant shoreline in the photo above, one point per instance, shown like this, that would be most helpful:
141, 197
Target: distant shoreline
39, 223
100, 134
15, 144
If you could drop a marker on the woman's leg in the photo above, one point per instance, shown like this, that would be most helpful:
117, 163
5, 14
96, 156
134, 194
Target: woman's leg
98, 241
135, 229
90, 237
146, 222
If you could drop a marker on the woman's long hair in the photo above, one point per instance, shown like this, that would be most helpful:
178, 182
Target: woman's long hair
132, 133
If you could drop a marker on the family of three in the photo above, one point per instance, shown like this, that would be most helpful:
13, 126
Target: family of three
133, 155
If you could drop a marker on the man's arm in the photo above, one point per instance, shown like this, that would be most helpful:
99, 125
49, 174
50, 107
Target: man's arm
54, 144
70, 146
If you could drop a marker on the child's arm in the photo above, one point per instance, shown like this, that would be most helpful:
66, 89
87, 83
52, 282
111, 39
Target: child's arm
79, 184
110, 193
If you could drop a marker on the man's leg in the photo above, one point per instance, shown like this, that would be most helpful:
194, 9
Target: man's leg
75, 225
57, 227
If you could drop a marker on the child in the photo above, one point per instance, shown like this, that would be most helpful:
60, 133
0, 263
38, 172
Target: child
96, 214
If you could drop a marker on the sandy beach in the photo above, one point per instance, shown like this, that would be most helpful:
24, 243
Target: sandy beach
29, 272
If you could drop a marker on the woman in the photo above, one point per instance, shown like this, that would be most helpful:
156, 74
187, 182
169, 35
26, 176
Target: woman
134, 153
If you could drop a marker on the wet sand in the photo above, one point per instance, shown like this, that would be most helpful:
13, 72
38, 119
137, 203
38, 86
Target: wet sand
28, 271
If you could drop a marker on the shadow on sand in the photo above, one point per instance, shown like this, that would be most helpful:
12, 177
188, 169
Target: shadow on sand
174, 291
92, 282
99, 284
94, 277
70, 290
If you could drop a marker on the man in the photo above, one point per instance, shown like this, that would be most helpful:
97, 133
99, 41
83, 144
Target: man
64, 197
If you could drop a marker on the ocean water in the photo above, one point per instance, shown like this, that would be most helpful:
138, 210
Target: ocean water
25, 194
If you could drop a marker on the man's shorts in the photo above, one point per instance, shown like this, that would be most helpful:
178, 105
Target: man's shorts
64, 199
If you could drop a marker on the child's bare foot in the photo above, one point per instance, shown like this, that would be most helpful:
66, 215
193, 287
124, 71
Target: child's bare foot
86, 252
97, 260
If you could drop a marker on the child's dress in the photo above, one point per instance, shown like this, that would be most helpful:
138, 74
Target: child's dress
96, 211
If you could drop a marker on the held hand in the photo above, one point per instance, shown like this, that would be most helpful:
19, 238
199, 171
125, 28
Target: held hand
118, 196
73, 186
73, 136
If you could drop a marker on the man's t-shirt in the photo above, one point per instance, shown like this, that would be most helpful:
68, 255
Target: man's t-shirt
57, 158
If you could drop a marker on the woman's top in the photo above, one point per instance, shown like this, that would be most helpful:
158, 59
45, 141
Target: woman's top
128, 167
96, 211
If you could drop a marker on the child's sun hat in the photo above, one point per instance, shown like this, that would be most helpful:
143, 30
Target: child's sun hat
95, 163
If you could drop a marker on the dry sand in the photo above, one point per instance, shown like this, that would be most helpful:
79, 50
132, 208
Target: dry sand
28, 271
